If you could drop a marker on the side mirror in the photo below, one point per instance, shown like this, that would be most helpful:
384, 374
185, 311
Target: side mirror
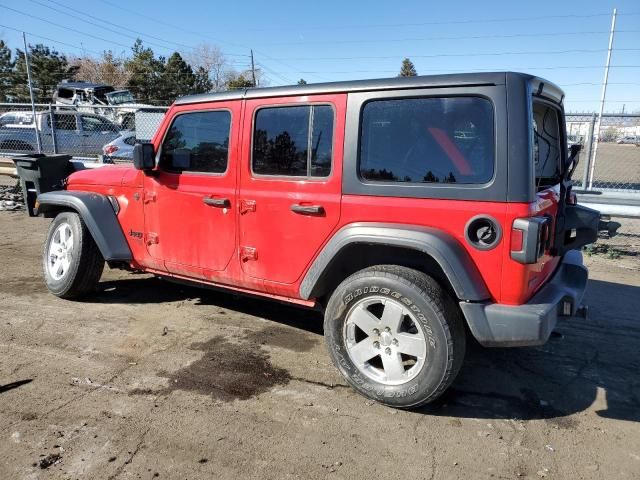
144, 157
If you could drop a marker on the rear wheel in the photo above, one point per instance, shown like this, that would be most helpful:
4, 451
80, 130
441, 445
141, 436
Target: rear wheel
72, 262
395, 334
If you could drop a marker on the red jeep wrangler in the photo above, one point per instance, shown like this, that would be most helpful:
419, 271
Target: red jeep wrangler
405, 208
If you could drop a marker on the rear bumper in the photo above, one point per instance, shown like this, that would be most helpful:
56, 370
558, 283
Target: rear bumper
496, 325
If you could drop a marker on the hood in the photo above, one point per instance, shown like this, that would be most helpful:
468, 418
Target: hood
111, 175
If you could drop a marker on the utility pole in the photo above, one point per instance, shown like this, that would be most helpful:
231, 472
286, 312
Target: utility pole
253, 70
33, 105
602, 98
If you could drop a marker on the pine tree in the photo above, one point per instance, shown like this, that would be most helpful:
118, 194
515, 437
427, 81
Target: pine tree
236, 82
6, 71
407, 69
203, 83
146, 71
177, 79
48, 68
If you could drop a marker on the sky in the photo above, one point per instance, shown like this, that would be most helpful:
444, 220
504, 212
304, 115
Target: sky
563, 41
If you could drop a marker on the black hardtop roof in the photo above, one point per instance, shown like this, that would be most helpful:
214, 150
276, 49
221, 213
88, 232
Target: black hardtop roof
423, 81
83, 85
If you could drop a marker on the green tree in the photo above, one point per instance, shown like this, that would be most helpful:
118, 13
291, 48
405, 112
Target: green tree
236, 82
407, 69
145, 72
48, 68
177, 79
6, 71
302, 81
203, 83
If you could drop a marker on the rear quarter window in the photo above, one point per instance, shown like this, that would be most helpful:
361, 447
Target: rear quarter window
427, 140
547, 144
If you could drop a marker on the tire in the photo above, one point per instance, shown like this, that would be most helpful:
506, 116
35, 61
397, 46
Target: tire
71, 260
420, 353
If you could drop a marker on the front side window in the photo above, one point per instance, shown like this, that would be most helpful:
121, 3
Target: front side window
97, 124
197, 142
427, 140
293, 141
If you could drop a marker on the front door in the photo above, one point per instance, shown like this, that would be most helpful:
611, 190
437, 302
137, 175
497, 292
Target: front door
290, 185
97, 131
190, 202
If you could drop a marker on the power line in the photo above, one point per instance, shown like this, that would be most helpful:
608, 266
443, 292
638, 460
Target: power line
463, 37
499, 69
100, 25
50, 39
65, 27
199, 34
448, 22
469, 54
127, 29
276, 74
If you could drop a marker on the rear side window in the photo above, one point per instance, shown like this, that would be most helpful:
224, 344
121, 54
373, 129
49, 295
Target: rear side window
63, 122
197, 142
293, 141
427, 140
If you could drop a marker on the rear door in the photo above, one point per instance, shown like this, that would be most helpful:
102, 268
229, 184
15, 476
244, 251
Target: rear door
190, 202
67, 133
290, 183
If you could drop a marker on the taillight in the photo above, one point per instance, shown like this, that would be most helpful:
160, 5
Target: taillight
517, 238
530, 237
109, 149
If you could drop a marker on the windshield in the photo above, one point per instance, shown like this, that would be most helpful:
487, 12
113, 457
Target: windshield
118, 98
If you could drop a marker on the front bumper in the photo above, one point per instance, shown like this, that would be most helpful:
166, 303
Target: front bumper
496, 325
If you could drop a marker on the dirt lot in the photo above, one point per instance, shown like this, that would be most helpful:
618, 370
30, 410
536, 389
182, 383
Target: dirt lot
617, 166
154, 380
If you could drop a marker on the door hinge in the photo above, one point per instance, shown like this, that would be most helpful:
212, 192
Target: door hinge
152, 238
248, 253
149, 197
247, 206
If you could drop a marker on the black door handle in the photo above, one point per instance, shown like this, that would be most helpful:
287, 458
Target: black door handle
307, 209
217, 202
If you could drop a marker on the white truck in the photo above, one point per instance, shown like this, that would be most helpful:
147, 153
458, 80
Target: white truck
75, 133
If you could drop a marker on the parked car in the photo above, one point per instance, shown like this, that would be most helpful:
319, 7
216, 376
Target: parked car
629, 140
73, 132
575, 140
121, 147
87, 96
360, 199
16, 118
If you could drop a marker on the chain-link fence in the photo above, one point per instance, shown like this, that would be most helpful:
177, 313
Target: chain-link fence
613, 162
95, 132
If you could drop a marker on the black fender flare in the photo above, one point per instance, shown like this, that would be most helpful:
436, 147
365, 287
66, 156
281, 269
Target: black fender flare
455, 261
98, 215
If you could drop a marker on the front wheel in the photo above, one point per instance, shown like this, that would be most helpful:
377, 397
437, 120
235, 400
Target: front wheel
396, 336
72, 262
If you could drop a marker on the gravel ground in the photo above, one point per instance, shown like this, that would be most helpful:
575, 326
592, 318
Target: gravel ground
153, 380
